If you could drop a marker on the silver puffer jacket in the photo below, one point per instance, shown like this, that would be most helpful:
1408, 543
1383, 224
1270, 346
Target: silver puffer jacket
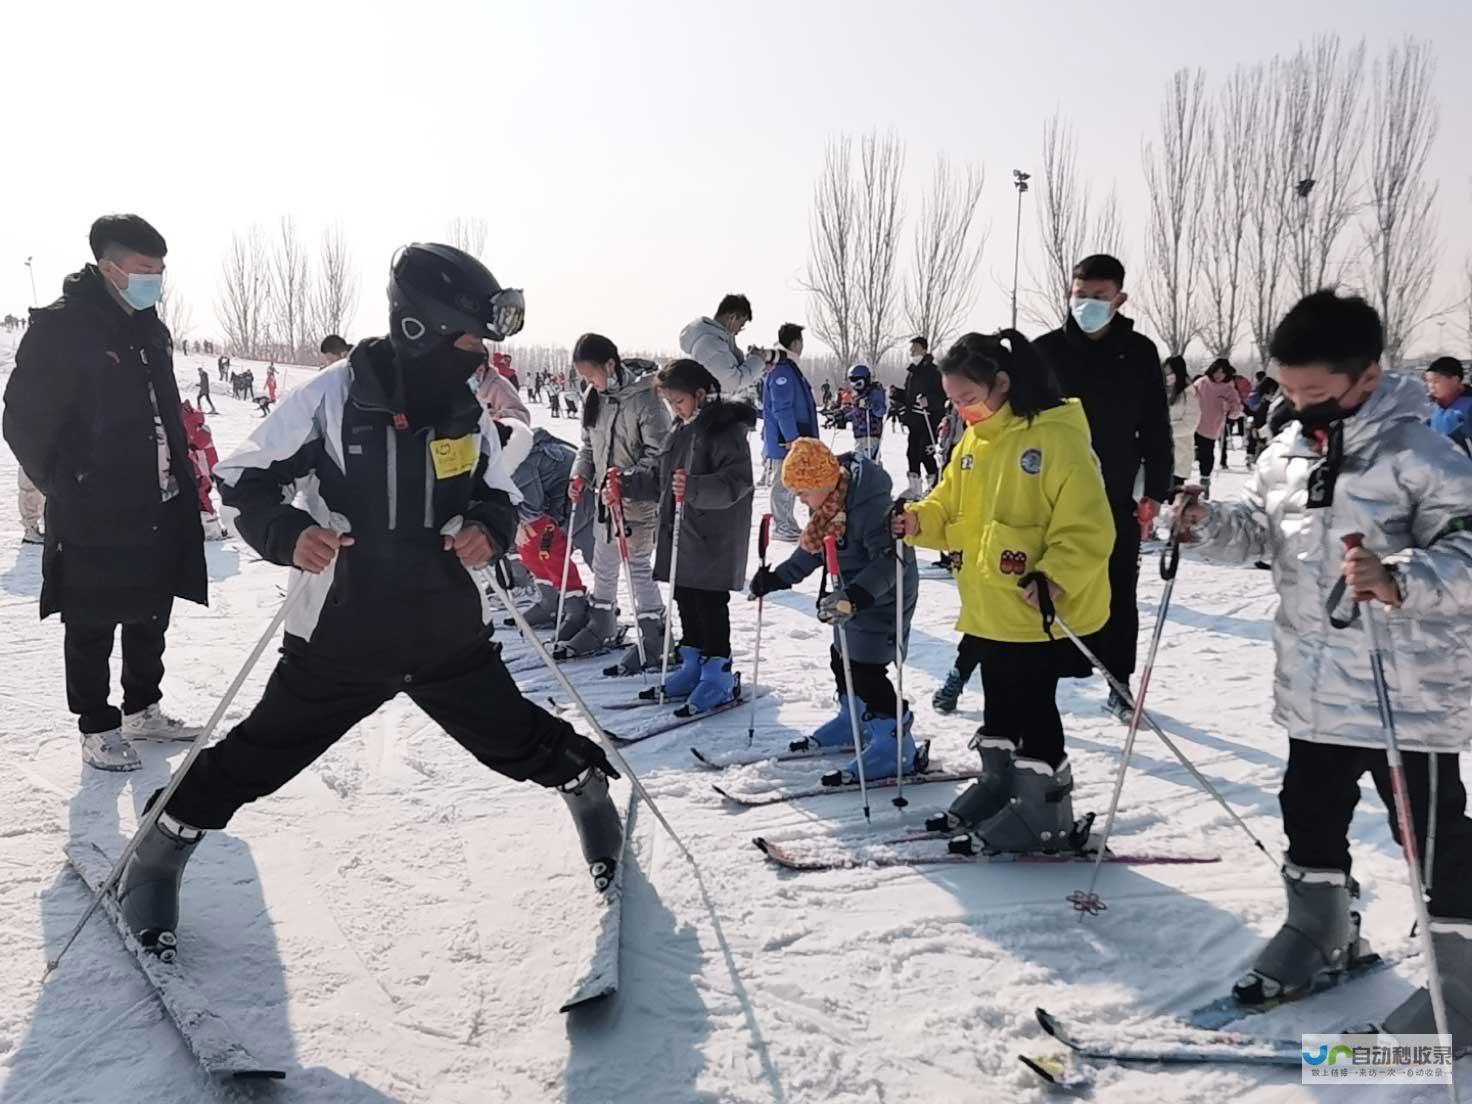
1409, 491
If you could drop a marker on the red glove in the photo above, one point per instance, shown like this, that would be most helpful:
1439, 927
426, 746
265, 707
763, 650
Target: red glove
575, 490
1148, 510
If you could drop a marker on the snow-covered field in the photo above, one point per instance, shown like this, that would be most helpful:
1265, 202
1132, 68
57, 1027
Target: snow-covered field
395, 925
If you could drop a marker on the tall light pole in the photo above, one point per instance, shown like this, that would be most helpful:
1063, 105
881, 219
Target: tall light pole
1019, 181
31, 269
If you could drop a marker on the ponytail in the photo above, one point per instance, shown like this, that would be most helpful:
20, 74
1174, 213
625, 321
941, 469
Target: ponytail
980, 357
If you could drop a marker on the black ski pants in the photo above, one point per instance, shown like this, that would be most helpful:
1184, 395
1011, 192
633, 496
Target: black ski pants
871, 684
310, 702
705, 620
1116, 643
1322, 786
920, 452
1206, 454
87, 654
1020, 685
968, 655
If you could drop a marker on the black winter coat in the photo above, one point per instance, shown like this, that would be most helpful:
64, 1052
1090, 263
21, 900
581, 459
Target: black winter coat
924, 380
717, 523
1120, 382
80, 421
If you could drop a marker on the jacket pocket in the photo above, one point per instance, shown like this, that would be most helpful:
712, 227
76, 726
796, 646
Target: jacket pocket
1007, 553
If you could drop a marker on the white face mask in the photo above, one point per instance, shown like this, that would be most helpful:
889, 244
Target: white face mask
914, 360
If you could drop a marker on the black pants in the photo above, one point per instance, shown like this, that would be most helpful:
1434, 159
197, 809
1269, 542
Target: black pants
1206, 454
1116, 643
204, 397
919, 454
1322, 786
87, 650
871, 684
309, 703
1020, 685
705, 620
968, 655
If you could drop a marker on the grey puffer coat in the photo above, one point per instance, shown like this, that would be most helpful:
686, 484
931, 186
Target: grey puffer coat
1409, 491
716, 530
622, 427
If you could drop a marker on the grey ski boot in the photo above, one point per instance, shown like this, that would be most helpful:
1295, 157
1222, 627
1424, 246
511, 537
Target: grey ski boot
987, 794
148, 892
1452, 940
1319, 939
598, 633
1037, 814
600, 828
651, 631
543, 613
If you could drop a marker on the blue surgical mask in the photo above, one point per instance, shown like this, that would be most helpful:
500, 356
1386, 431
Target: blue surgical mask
1092, 315
143, 290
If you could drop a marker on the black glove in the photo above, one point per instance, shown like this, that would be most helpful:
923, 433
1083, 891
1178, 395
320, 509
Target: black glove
765, 581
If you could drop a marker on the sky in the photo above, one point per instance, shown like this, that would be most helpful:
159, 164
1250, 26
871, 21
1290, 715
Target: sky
634, 161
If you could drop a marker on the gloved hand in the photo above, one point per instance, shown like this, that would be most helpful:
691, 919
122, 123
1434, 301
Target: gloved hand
575, 489
1147, 512
765, 581
842, 605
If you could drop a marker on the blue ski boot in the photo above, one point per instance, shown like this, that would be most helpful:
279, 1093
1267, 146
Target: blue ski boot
681, 682
834, 733
717, 686
949, 694
880, 735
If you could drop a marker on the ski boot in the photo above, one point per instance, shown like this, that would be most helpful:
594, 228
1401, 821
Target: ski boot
834, 733
681, 682
880, 736
32, 535
542, 614
916, 489
949, 695
1117, 707
988, 793
109, 751
717, 687
1319, 939
1037, 816
598, 632
213, 530
152, 723
1452, 940
148, 893
651, 631
600, 828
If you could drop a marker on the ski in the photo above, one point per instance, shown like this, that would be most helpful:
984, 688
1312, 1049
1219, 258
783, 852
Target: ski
1218, 1013
932, 850
669, 723
715, 761
1062, 1071
1206, 1047
780, 796
211, 1040
599, 977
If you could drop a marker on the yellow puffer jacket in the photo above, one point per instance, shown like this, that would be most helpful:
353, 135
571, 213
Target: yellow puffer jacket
1018, 498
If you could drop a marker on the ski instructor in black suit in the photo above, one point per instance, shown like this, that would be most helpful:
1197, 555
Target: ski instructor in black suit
1115, 371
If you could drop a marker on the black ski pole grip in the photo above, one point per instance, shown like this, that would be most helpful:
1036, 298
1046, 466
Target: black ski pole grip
1045, 599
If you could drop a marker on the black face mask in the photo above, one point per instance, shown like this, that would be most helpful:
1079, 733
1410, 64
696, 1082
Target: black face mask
1321, 415
433, 381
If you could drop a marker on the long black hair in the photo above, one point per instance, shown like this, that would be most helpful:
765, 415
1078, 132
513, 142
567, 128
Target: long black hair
594, 348
1180, 378
979, 357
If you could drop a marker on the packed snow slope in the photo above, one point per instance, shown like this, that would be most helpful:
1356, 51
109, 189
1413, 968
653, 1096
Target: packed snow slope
399, 924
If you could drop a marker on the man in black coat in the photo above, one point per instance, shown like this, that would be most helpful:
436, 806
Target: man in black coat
92, 413
1100, 359
925, 406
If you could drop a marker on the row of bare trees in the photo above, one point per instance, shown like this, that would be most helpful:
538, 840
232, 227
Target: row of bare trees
855, 239
275, 301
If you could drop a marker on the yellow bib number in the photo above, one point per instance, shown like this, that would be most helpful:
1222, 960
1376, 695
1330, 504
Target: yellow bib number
453, 457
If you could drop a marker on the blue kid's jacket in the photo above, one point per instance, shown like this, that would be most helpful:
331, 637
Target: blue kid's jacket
1455, 420
788, 409
866, 416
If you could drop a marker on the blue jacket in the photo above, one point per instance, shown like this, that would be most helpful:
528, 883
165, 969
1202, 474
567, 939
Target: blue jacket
1455, 420
866, 416
788, 409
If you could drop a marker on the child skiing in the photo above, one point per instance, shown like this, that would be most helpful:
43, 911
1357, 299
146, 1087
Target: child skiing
866, 415
707, 462
204, 457
1023, 503
392, 445
1356, 456
850, 498
624, 423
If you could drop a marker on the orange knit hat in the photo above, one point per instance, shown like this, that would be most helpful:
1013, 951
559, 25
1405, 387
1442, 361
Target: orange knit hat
809, 467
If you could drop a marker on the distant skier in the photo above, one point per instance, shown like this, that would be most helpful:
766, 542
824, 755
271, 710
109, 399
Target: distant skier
271, 384
790, 413
925, 403
1355, 455
204, 391
850, 497
866, 415
204, 457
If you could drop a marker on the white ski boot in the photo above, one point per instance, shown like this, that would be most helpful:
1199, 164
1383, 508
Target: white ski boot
1318, 941
32, 535
1452, 940
152, 723
600, 829
148, 892
109, 751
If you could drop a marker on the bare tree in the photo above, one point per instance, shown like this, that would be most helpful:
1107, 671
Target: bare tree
1228, 169
1271, 206
881, 217
289, 290
947, 254
173, 310
1401, 235
334, 298
468, 233
1108, 229
1323, 135
833, 251
1175, 178
245, 293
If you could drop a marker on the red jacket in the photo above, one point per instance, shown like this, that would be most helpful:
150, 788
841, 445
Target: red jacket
202, 452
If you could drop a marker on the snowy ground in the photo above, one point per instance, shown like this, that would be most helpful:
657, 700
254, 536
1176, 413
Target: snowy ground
395, 924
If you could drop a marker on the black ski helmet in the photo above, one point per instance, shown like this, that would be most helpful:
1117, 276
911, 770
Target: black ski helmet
437, 292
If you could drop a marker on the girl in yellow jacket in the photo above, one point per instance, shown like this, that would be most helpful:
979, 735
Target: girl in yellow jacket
1022, 503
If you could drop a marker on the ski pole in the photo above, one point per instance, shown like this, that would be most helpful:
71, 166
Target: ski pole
452, 528
150, 817
1393, 760
578, 485
669, 619
830, 555
616, 504
1051, 618
899, 662
763, 538
1089, 903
